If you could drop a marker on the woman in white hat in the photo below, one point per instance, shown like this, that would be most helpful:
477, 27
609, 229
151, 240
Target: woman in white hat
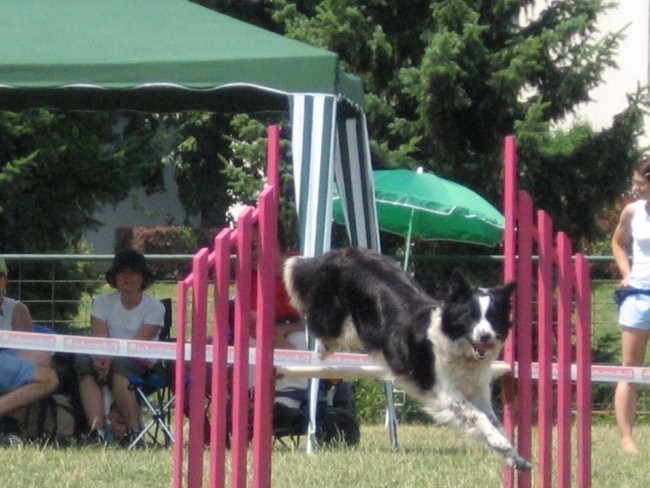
126, 313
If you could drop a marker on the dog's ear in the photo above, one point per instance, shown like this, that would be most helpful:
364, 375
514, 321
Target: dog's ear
505, 290
459, 289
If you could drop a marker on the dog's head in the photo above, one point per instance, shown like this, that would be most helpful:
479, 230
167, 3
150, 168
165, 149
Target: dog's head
479, 316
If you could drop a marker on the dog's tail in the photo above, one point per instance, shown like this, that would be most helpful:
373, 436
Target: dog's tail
298, 274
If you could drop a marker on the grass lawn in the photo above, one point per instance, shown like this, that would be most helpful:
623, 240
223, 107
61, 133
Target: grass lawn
429, 457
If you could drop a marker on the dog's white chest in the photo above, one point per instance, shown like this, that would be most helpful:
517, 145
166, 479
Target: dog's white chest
466, 376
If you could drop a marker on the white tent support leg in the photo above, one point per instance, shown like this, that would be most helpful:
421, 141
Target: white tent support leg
326, 143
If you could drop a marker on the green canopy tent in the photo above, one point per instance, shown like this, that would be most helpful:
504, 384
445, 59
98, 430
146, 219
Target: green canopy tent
173, 55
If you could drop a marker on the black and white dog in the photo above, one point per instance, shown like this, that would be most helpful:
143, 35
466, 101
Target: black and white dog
438, 351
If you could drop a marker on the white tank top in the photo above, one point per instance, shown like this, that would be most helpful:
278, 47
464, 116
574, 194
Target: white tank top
640, 275
8, 305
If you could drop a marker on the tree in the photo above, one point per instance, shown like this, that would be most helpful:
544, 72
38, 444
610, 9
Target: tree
198, 155
446, 80
59, 167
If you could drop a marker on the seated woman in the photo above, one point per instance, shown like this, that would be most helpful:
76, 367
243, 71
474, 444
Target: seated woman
127, 313
25, 376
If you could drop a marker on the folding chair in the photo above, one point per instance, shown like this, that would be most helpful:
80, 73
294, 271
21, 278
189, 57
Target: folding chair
154, 392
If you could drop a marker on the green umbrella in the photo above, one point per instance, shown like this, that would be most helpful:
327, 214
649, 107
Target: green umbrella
418, 204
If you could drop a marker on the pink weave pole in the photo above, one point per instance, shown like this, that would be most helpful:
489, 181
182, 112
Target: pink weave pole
524, 320
546, 252
583, 394
509, 273
179, 379
219, 385
264, 370
198, 369
240, 386
564, 360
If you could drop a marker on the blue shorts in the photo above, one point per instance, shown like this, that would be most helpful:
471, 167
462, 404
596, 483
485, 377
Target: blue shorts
14, 372
634, 312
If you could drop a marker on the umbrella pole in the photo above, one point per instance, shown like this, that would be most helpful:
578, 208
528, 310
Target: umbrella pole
407, 251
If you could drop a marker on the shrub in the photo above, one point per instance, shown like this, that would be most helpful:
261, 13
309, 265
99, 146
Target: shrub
165, 240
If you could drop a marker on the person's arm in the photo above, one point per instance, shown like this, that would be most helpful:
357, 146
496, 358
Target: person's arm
101, 364
21, 320
282, 332
99, 327
620, 241
153, 321
147, 332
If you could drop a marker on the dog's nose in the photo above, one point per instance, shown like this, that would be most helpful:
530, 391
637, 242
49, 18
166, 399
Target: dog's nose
485, 337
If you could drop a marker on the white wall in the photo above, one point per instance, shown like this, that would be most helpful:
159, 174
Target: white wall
139, 210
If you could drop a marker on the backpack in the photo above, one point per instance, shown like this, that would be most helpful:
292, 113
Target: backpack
336, 419
337, 422
58, 419
53, 421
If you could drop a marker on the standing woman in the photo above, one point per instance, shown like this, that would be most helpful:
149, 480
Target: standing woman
126, 313
634, 313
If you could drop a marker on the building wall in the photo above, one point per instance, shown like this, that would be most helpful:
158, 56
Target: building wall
139, 210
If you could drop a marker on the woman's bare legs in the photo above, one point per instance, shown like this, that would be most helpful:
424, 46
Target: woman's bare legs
633, 344
93, 401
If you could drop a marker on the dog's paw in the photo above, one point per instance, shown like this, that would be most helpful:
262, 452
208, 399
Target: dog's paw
322, 350
519, 463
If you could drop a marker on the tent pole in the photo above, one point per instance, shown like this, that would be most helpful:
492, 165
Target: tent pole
407, 251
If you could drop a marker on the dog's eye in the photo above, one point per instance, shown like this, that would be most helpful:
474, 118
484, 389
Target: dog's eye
464, 317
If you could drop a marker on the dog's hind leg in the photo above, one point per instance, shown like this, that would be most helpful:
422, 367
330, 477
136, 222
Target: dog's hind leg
467, 418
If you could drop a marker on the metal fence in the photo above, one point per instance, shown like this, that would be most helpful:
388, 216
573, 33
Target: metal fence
46, 294
51, 283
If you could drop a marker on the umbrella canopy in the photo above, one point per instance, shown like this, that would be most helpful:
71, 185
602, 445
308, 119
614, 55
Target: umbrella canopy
418, 204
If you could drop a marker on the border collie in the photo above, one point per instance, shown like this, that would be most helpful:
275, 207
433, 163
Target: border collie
438, 351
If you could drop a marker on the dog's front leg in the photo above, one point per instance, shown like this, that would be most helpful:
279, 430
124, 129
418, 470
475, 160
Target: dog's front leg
484, 403
322, 348
467, 418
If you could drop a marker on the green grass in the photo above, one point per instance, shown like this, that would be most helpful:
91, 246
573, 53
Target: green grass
429, 456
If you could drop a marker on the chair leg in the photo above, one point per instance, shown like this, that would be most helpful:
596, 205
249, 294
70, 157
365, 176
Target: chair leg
159, 415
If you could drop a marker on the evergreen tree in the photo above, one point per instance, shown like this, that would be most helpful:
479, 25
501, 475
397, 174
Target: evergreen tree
446, 80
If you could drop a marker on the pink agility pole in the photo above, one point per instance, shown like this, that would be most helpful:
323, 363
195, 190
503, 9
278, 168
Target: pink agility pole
524, 323
264, 372
561, 275
509, 273
584, 373
219, 386
564, 334
544, 467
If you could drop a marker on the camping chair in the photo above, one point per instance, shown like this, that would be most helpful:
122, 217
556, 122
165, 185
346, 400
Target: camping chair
154, 392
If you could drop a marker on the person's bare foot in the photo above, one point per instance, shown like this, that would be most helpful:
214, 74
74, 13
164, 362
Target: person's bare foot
629, 446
